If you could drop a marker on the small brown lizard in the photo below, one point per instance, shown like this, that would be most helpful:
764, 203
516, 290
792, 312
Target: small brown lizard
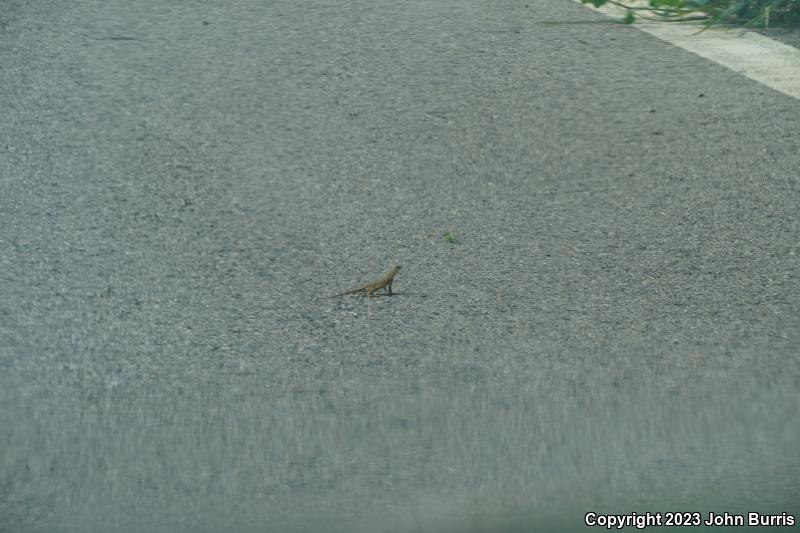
383, 282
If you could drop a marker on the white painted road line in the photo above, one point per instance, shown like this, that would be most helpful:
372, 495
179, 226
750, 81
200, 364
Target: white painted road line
772, 63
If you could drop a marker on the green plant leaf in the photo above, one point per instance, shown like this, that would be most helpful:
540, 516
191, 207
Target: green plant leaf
628, 18
732, 10
452, 239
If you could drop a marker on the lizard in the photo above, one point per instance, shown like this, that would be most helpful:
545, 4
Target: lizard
383, 282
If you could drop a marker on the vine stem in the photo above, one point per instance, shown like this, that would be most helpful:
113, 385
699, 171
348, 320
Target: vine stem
665, 12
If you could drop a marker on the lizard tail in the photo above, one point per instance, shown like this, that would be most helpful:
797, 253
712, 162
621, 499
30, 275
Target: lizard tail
353, 291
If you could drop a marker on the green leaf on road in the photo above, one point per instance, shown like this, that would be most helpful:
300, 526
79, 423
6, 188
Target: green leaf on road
452, 239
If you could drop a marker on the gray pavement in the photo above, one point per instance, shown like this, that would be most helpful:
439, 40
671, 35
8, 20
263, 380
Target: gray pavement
615, 330
785, 34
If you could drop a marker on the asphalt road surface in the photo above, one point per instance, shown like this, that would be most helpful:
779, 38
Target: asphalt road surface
614, 327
